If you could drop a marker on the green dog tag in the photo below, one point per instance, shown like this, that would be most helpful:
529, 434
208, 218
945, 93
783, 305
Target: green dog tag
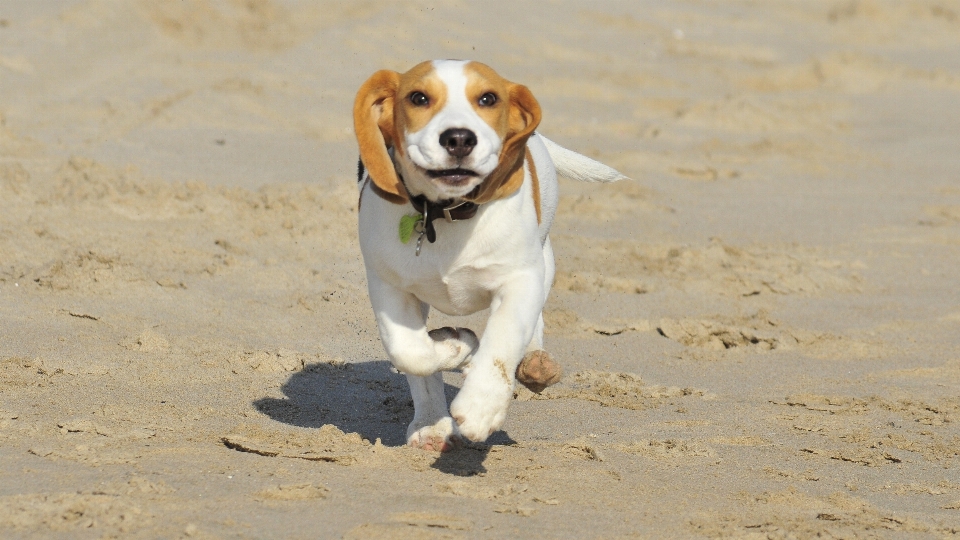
407, 224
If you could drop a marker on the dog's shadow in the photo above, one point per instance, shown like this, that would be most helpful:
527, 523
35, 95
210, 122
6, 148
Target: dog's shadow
366, 398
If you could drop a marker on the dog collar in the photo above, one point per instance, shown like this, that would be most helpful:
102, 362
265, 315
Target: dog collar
427, 211
449, 210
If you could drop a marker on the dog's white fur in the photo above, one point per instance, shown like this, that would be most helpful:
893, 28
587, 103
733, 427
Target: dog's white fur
501, 259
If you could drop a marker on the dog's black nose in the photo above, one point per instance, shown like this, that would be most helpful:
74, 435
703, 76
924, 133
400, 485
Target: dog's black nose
458, 142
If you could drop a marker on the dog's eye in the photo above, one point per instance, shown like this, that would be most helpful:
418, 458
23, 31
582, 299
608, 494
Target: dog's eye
487, 100
419, 99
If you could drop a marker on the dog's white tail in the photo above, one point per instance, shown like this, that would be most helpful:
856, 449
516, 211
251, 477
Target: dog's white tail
579, 167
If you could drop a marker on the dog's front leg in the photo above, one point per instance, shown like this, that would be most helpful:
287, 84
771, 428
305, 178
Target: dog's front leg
422, 356
402, 320
432, 427
481, 406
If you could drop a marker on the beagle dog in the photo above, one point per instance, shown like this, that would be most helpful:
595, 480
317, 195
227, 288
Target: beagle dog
457, 194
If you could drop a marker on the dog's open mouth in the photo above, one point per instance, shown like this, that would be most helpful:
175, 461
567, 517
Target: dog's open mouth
452, 177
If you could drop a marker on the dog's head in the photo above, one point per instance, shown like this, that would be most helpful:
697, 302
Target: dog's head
454, 129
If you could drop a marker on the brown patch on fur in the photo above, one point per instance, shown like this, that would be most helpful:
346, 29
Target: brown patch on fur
535, 181
537, 371
522, 117
408, 118
373, 124
382, 113
480, 80
503, 370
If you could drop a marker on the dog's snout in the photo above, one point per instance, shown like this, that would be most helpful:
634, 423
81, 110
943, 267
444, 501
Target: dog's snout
458, 142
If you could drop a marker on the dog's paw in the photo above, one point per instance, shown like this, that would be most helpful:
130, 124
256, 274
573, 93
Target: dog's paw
441, 436
455, 345
537, 371
481, 406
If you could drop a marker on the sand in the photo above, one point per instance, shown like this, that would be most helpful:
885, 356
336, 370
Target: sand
760, 333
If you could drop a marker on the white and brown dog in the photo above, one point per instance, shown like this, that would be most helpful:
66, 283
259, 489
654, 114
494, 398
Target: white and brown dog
449, 154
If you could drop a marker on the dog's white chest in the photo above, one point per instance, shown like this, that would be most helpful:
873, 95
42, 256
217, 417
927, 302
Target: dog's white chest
459, 273
458, 291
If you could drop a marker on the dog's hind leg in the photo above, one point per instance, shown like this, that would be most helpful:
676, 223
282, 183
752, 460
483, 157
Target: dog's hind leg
549, 271
538, 370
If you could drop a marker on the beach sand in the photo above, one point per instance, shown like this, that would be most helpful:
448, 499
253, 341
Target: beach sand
760, 331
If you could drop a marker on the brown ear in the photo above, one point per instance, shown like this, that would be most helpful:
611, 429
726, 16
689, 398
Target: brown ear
373, 124
524, 117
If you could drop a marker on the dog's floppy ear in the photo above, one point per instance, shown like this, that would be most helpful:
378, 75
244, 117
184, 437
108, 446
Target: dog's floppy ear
523, 118
375, 130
